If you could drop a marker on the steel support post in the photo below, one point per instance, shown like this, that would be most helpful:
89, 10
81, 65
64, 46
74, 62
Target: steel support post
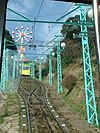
59, 69
33, 69
14, 67
20, 68
17, 73
40, 68
3, 5
6, 64
3, 72
50, 69
89, 87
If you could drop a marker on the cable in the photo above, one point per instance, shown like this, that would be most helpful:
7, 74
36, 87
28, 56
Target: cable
55, 24
40, 9
38, 15
54, 14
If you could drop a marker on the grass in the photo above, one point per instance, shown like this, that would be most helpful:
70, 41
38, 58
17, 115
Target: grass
76, 108
19, 113
10, 107
1, 120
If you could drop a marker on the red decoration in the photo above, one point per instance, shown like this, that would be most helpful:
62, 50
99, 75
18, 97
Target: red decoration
22, 50
22, 35
25, 59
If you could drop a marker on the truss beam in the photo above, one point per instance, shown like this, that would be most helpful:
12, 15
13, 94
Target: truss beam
89, 87
14, 70
59, 69
40, 68
3, 72
50, 69
33, 69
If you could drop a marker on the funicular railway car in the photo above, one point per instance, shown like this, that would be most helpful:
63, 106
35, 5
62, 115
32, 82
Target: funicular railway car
26, 70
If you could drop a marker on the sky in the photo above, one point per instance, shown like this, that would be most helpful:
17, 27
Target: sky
50, 10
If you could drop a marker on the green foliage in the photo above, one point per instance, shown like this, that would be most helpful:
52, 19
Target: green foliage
9, 37
77, 108
45, 72
10, 107
69, 82
73, 49
1, 120
67, 30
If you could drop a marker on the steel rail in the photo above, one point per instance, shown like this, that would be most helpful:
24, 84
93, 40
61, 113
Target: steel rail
27, 107
58, 123
42, 100
44, 113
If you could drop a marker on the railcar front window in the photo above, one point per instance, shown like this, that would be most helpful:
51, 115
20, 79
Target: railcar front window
25, 68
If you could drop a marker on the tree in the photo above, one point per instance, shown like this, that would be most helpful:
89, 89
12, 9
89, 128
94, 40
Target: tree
9, 37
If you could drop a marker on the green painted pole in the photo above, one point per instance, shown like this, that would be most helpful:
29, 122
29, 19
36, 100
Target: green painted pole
14, 67
89, 87
33, 69
59, 69
3, 70
52, 22
18, 14
17, 73
50, 69
20, 69
40, 68
7, 64
68, 13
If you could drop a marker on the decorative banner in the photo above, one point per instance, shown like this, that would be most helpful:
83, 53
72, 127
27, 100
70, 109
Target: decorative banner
25, 59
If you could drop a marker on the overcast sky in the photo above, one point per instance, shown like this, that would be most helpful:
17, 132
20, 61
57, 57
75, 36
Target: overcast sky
51, 10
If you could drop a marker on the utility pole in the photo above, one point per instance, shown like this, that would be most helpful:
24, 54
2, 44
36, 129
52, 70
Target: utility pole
50, 69
89, 87
40, 68
33, 69
6, 64
14, 68
59, 69
17, 73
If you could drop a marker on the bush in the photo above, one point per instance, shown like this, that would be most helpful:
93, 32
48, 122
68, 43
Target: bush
69, 82
45, 72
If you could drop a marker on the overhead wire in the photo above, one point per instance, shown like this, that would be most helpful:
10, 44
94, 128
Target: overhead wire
55, 24
51, 14
40, 9
36, 18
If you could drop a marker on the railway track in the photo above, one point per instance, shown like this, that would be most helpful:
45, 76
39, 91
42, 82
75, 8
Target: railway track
40, 116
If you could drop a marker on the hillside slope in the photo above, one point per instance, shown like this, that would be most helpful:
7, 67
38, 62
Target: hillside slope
73, 71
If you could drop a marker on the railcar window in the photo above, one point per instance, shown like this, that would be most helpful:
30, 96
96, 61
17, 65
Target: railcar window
26, 68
